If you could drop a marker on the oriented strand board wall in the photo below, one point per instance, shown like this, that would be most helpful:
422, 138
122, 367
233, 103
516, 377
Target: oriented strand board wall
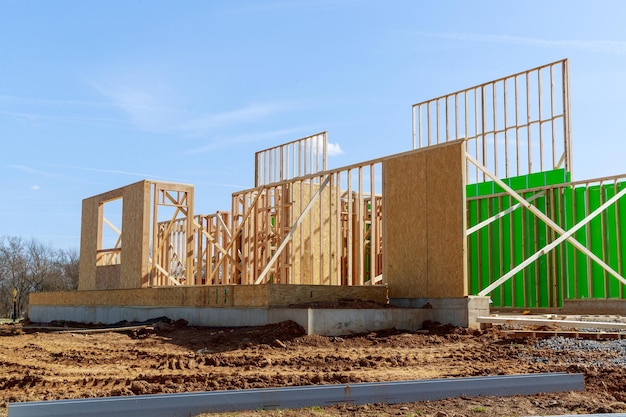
424, 223
287, 295
135, 236
263, 295
108, 277
88, 244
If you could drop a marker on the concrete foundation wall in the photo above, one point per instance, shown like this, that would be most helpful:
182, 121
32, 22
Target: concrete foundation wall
463, 310
328, 322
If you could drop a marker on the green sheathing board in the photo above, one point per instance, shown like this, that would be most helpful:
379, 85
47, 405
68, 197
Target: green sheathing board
565, 272
496, 249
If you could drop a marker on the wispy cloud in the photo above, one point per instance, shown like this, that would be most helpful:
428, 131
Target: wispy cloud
308, 5
52, 102
108, 171
33, 110
223, 142
31, 170
148, 109
612, 47
143, 175
142, 108
225, 185
247, 114
34, 118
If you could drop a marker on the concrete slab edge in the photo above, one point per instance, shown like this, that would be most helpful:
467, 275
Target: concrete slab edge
327, 322
189, 404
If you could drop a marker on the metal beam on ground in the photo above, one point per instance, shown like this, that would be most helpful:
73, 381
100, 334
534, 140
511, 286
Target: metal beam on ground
194, 403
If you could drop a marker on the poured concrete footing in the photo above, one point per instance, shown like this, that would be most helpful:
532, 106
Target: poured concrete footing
458, 311
322, 321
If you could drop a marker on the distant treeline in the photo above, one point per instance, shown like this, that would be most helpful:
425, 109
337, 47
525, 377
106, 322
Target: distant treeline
31, 266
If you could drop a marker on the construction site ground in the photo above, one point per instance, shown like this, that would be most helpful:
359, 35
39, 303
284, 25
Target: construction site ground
169, 357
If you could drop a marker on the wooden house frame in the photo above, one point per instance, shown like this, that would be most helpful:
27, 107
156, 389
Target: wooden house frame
402, 220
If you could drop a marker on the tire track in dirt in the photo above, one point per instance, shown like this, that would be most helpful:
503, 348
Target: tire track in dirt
40, 366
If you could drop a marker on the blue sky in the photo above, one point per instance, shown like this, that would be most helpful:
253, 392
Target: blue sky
98, 95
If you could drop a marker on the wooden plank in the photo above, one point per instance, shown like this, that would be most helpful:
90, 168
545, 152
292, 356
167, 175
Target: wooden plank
514, 334
552, 322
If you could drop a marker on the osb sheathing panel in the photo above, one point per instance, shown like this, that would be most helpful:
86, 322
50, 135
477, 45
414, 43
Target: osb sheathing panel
197, 296
404, 226
135, 235
264, 295
424, 201
108, 277
136, 202
88, 244
286, 295
314, 254
135, 232
445, 208
251, 296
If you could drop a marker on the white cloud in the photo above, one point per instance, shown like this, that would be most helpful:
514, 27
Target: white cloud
613, 47
35, 187
334, 149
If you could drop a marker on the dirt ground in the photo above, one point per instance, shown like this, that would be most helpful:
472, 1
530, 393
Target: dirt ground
38, 364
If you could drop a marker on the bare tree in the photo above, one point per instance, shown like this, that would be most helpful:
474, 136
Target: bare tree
13, 273
30, 266
68, 261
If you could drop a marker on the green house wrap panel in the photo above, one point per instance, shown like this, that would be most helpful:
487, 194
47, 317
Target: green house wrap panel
484, 248
621, 233
582, 282
472, 248
506, 263
492, 251
565, 272
567, 249
611, 241
595, 240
